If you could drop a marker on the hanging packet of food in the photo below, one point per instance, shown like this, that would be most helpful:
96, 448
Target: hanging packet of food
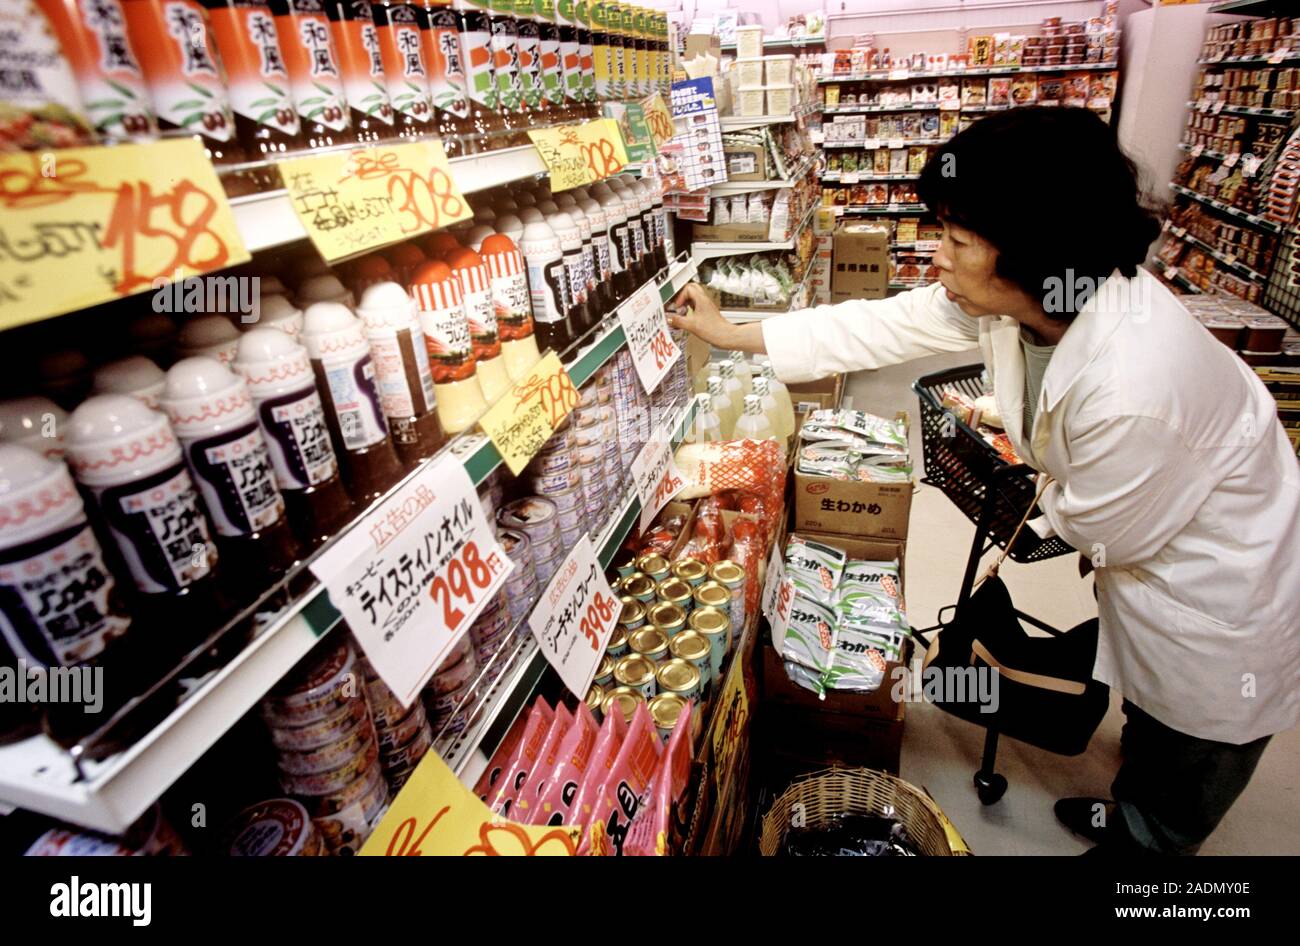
648, 836
540, 720
814, 568
571, 763
620, 796
608, 743
490, 781
530, 793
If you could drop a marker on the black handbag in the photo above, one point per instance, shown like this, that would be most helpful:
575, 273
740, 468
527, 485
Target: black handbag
1045, 692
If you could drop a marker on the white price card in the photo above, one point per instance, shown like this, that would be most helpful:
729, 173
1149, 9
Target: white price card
899, 74
849, 177
657, 478
1198, 150
413, 574
652, 348
1216, 108
870, 144
897, 143
1232, 159
575, 617
1279, 55
778, 597
927, 246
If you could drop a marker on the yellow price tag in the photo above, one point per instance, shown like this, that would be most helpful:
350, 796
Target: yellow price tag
603, 148
561, 149
659, 118
526, 415
731, 717
434, 815
83, 226
354, 201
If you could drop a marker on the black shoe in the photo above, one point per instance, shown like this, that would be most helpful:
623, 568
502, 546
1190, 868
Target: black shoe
1080, 815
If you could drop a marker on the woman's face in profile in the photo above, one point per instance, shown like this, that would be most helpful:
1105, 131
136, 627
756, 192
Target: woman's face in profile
966, 263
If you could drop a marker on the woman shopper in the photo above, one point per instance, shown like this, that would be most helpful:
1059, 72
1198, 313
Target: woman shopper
1171, 471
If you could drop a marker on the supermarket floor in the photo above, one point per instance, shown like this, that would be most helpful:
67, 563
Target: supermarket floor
942, 752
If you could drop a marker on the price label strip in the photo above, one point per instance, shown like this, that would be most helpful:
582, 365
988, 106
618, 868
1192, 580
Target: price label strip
575, 617
561, 148
525, 416
434, 815
653, 350
656, 475
354, 201
83, 226
414, 573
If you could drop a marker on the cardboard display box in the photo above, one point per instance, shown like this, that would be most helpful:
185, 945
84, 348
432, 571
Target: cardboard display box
821, 394
845, 507
731, 233
745, 162
860, 262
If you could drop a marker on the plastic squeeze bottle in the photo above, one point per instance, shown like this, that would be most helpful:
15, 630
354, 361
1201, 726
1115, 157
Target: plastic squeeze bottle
315, 80
511, 302
744, 373
436, 290
476, 297
440, 35
136, 376
361, 63
212, 335
596, 301
579, 313
36, 423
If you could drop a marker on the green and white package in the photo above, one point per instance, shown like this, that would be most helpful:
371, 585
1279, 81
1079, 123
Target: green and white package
809, 634
814, 568
861, 654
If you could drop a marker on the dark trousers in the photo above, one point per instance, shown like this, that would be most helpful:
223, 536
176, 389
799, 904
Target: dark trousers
1173, 789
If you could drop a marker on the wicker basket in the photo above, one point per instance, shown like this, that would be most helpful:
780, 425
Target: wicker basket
841, 791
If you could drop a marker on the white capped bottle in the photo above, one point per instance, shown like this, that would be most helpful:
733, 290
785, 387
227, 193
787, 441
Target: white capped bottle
744, 373
212, 335
753, 424
723, 406
136, 376
324, 288
36, 423
548, 285
529, 215
731, 384
600, 241
436, 290
707, 427
579, 313
785, 407
771, 410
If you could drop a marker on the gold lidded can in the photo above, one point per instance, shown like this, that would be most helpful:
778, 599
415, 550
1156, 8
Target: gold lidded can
732, 577
624, 562
692, 571
678, 677
696, 649
654, 565
637, 672
604, 670
632, 616
669, 618
665, 710
713, 594
622, 700
639, 586
650, 642
618, 642
714, 625
596, 700
676, 591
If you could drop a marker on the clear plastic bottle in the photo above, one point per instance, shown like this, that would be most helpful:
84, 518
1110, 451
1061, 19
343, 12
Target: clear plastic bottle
753, 424
785, 407
722, 406
744, 372
731, 384
771, 410
708, 425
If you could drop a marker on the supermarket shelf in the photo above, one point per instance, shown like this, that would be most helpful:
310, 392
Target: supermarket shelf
267, 219
1171, 275
884, 143
701, 250
757, 315
748, 187
796, 42
1293, 56
1205, 152
732, 122
836, 177
920, 246
495, 710
1282, 114
1233, 265
905, 75
1252, 219
886, 209
1255, 7
976, 109
872, 109
38, 775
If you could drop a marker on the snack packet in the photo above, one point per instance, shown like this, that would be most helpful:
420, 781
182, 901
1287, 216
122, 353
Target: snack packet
608, 742
620, 796
861, 654
809, 634
528, 797
530, 747
490, 781
571, 762
648, 836
814, 568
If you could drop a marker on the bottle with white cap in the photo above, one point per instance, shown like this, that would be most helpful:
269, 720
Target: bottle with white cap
212, 415
548, 285
324, 288
529, 215
600, 243
136, 376
345, 377
484, 214
402, 369
506, 205
510, 225
524, 198
723, 406
580, 317
154, 336
36, 423
620, 241
476, 298
59, 602
784, 406
447, 339
707, 427
771, 410
744, 374
595, 289
511, 301
132, 466
280, 381
655, 260
730, 383
275, 311
212, 335
663, 232
753, 424
64, 376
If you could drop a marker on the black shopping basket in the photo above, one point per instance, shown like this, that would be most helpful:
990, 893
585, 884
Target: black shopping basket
993, 494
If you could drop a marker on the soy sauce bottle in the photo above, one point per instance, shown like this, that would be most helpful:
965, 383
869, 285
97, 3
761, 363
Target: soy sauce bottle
505, 67
352, 28
447, 81
570, 59
586, 54
548, 58
315, 74
476, 49
530, 61
406, 77
548, 286
602, 53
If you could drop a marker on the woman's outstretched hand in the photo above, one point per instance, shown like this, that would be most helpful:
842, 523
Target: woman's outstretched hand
693, 310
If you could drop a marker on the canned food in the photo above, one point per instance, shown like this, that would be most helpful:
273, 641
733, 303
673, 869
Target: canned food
588, 433
696, 650
333, 781
605, 670
668, 617
640, 586
550, 464
679, 677
358, 790
618, 645
714, 626
454, 677
546, 569
588, 396
692, 571
653, 565
386, 709
316, 691
570, 499
571, 537
678, 592
632, 616
495, 627
516, 545
638, 672
280, 827
328, 757
649, 642
533, 514
732, 577
322, 732
589, 455
573, 520
548, 484
404, 730
665, 710
713, 595
624, 562
412, 751
623, 700
595, 697
440, 708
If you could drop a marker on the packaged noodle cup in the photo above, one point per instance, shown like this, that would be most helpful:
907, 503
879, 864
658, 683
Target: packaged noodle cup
650, 642
624, 701
665, 710
637, 672
714, 625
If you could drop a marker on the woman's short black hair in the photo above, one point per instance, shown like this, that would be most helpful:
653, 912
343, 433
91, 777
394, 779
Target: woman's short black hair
1054, 194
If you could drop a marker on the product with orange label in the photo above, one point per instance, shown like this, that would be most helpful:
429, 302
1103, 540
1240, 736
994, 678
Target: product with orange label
529, 797
443, 58
361, 64
315, 72
548, 58
572, 761
540, 718
40, 104
505, 59
476, 297
405, 259
93, 36
608, 743
437, 294
621, 794
529, 51
257, 81
510, 302
401, 47
648, 836
183, 68
475, 27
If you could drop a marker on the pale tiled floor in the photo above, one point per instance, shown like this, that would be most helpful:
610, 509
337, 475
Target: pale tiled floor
941, 752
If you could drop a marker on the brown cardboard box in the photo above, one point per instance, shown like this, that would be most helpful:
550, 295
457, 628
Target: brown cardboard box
702, 44
731, 233
844, 507
860, 262
817, 395
746, 162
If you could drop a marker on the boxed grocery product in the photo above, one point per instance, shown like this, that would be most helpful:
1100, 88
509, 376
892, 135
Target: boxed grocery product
822, 394
745, 162
948, 123
846, 507
1075, 90
1051, 90
949, 94
1024, 90
974, 92
1000, 90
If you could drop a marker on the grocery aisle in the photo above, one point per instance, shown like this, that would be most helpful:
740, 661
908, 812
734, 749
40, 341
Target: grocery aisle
941, 752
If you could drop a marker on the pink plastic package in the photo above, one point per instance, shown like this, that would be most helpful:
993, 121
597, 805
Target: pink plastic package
608, 743
571, 764
490, 781
621, 793
648, 836
530, 792
540, 718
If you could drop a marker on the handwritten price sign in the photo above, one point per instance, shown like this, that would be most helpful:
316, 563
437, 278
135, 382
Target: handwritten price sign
434, 815
659, 119
411, 577
526, 416
657, 478
357, 200
574, 618
83, 226
603, 148
561, 148
778, 595
652, 348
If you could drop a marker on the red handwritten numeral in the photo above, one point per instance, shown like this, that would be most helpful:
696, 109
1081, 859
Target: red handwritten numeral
662, 348
404, 834
181, 216
602, 159
464, 574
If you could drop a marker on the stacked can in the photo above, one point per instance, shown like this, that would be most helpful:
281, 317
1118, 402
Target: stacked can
554, 475
491, 494
327, 750
445, 695
404, 734
589, 452
610, 437
521, 587
490, 632
538, 519
629, 408
681, 379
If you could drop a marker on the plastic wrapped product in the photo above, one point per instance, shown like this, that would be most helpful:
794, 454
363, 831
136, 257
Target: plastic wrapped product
491, 779
554, 788
814, 568
620, 796
648, 835
540, 718
860, 656
608, 743
809, 634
